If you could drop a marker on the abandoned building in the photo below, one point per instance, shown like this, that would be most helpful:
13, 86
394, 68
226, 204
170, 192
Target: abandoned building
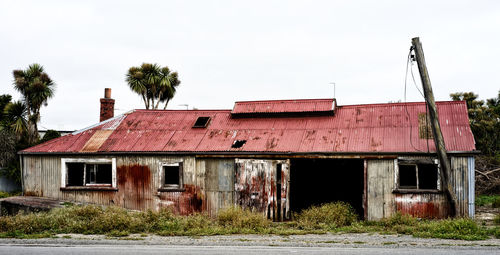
275, 157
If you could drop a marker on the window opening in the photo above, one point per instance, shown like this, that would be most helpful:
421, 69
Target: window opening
407, 176
75, 174
98, 174
427, 176
238, 144
172, 176
84, 174
418, 176
201, 122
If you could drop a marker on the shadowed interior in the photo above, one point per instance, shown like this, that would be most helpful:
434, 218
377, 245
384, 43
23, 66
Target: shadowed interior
318, 181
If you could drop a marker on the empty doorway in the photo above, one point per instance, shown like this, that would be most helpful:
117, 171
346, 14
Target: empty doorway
318, 181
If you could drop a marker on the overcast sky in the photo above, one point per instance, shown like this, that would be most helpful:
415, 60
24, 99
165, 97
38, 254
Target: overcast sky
226, 51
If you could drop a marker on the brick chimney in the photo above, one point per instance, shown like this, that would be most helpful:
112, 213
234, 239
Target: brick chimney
107, 106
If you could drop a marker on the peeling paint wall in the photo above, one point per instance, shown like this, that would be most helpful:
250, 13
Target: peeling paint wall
423, 205
218, 177
138, 183
384, 202
211, 184
258, 188
380, 183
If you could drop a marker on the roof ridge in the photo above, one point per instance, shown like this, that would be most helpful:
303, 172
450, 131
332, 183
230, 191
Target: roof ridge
285, 100
402, 103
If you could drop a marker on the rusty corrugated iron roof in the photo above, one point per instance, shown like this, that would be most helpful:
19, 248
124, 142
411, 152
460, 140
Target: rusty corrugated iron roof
392, 127
284, 106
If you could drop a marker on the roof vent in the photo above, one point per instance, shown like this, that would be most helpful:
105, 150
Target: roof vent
201, 122
284, 108
238, 144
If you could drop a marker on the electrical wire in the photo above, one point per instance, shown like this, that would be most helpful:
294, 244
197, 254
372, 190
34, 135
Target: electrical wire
408, 60
413, 78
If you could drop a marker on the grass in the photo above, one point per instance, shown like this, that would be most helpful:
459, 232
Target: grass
496, 220
4, 194
486, 200
496, 203
116, 222
460, 228
327, 216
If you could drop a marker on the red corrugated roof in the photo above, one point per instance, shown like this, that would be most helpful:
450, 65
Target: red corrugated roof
392, 127
284, 106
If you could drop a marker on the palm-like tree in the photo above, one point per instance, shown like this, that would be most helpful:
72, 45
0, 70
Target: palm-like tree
36, 87
154, 83
14, 118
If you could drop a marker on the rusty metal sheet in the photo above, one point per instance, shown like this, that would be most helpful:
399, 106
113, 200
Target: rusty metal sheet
309, 105
73, 143
152, 140
423, 205
95, 142
258, 188
354, 128
189, 201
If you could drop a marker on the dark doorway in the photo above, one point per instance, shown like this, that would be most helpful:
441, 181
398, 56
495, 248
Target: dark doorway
318, 181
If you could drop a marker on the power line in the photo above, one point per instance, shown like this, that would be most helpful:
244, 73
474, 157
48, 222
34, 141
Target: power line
406, 105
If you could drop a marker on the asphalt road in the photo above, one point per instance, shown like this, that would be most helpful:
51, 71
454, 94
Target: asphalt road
240, 250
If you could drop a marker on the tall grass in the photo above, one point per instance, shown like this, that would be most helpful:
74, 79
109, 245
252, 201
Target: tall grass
332, 217
459, 228
329, 216
93, 219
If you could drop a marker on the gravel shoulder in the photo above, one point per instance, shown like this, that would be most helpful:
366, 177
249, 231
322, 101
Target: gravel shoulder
326, 240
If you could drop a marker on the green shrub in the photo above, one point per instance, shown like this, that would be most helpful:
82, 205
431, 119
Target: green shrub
483, 200
496, 202
494, 232
496, 220
117, 233
119, 222
4, 194
399, 219
329, 216
238, 218
465, 229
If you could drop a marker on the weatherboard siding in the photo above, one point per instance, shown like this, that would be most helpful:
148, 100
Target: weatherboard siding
138, 181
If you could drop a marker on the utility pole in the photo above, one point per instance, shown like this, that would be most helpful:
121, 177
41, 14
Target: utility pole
436, 128
333, 89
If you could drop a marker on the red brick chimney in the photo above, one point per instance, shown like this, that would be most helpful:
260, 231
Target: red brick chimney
107, 106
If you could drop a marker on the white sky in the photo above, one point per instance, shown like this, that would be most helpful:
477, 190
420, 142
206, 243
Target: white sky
228, 51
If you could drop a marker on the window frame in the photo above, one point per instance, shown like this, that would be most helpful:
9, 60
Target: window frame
89, 186
399, 189
171, 187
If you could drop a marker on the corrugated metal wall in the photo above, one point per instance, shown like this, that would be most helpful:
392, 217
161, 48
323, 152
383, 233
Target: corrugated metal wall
425, 205
259, 186
138, 181
383, 202
472, 184
219, 182
210, 185
460, 182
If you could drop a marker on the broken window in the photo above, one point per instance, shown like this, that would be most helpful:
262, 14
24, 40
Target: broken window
85, 174
88, 172
172, 176
97, 174
201, 122
238, 144
75, 174
418, 175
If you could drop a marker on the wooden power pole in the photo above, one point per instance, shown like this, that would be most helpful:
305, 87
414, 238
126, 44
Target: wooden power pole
436, 128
